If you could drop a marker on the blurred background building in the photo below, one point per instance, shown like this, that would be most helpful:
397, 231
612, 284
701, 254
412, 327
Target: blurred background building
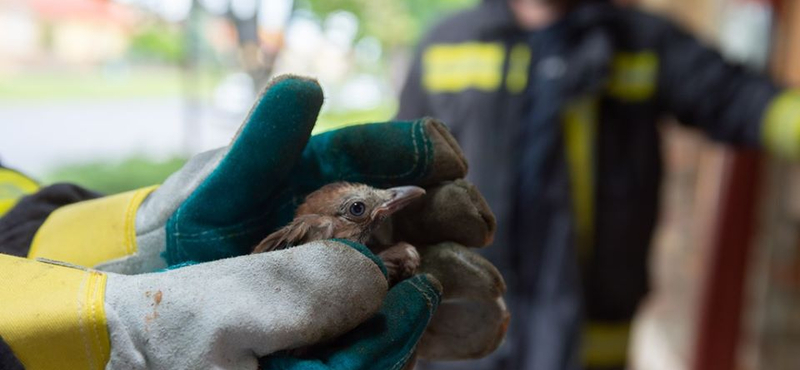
115, 95
143, 80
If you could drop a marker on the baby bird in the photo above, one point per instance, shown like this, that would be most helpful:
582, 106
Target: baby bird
354, 212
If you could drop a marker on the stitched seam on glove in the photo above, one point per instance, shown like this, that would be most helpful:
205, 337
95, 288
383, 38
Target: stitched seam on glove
432, 298
421, 165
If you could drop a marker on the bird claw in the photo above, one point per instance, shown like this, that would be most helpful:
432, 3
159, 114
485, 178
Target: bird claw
401, 261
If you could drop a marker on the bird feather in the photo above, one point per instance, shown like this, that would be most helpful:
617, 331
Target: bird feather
301, 230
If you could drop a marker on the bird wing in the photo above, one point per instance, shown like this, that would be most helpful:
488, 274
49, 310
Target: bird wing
301, 230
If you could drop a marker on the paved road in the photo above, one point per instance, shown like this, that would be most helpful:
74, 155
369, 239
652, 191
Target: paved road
37, 136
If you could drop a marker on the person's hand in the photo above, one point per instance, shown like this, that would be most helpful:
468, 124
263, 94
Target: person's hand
223, 314
385, 341
472, 318
223, 202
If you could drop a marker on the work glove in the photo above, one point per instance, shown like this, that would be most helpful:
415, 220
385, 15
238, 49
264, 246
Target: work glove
472, 318
217, 315
222, 202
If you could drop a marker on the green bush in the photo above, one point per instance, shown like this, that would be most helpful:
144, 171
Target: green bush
158, 42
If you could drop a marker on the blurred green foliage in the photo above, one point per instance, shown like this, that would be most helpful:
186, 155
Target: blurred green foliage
332, 120
394, 23
101, 84
158, 42
111, 178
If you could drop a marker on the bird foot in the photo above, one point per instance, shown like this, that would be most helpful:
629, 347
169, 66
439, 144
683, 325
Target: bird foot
401, 261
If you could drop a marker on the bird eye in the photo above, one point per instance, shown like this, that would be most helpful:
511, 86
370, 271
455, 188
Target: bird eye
357, 209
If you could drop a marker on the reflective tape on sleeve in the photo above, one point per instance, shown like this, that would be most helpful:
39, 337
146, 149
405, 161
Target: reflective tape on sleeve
519, 63
457, 67
634, 76
580, 120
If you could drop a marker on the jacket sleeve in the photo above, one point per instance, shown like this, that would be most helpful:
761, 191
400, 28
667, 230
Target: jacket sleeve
7, 359
701, 89
413, 97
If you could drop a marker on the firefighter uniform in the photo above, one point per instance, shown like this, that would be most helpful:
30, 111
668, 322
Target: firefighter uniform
560, 129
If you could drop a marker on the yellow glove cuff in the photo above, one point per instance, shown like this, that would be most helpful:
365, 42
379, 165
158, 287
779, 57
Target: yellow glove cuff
781, 127
13, 186
91, 232
53, 316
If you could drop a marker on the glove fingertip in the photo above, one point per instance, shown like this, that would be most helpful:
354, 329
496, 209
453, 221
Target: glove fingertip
289, 98
449, 162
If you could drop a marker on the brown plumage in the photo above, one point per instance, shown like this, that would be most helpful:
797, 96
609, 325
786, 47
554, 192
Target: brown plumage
354, 212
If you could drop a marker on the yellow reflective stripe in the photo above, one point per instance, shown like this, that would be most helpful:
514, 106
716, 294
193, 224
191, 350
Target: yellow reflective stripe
634, 75
605, 344
52, 316
519, 61
456, 67
88, 233
580, 126
780, 132
14, 185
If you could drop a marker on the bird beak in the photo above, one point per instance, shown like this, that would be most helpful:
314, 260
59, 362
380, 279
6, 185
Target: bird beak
400, 197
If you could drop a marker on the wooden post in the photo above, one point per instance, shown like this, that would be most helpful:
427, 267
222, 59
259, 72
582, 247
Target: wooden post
722, 303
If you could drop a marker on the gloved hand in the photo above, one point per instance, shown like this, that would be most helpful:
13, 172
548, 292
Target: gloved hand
222, 202
472, 318
385, 341
217, 315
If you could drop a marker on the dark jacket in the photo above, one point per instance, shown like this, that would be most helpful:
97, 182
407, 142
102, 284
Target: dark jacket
560, 131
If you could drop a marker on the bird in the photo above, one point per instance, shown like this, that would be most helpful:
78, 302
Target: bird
355, 212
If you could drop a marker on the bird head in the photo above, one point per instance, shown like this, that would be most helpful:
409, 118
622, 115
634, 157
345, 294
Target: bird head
358, 204
340, 210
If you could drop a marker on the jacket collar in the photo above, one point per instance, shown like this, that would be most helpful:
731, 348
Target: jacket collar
495, 17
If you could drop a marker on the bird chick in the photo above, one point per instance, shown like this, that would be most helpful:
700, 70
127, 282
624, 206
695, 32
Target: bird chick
354, 212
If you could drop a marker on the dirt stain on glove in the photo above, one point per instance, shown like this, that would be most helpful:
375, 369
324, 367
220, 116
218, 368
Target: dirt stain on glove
149, 318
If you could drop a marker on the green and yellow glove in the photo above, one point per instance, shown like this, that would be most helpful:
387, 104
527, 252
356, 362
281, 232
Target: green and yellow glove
222, 202
222, 314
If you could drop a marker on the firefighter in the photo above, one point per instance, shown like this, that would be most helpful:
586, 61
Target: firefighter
162, 278
556, 104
